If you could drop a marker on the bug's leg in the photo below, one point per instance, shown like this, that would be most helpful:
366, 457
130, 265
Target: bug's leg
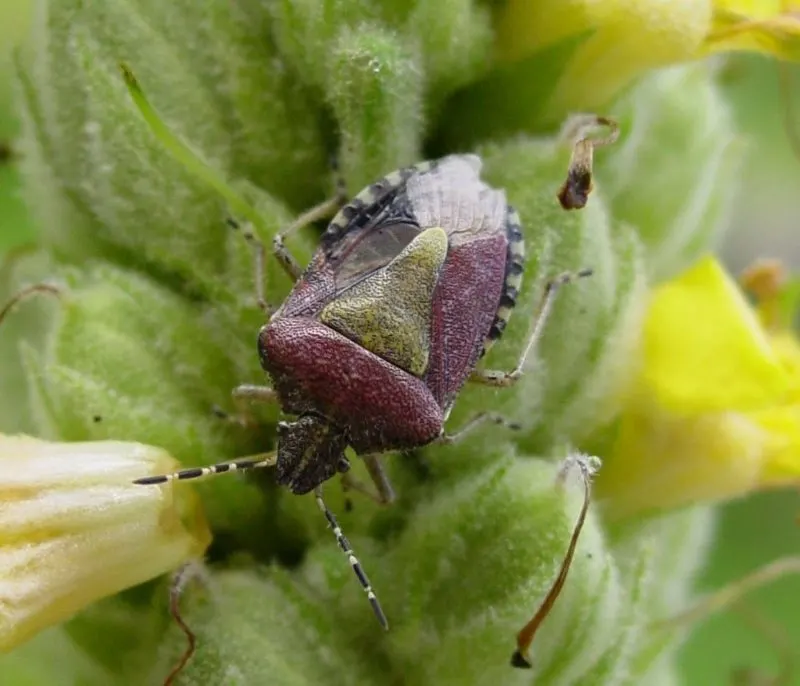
502, 379
252, 393
322, 211
384, 493
184, 574
254, 462
259, 259
243, 419
347, 549
574, 193
242, 396
347, 486
245, 394
380, 478
473, 423
351, 483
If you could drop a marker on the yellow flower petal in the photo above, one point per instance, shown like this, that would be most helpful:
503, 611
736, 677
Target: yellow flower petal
630, 36
786, 348
646, 28
662, 461
704, 349
772, 27
715, 411
74, 528
781, 460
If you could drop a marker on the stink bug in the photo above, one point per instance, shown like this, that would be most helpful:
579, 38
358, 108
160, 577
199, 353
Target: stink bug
412, 282
414, 279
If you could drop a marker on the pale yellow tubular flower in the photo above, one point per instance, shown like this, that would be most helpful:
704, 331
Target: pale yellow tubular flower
74, 528
714, 411
625, 38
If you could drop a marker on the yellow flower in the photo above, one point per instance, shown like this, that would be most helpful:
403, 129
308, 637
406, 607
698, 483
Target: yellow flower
623, 38
714, 411
74, 528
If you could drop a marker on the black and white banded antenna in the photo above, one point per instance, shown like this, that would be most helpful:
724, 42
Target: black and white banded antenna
247, 463
347, 549
268, 460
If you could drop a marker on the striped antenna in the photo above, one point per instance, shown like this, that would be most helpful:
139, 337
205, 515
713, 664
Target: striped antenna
347, 549
255, 462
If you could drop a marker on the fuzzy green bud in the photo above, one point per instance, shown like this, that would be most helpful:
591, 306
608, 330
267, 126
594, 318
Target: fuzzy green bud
679, 204
116, 180
258, 626
456, 41
375, 91
452, 616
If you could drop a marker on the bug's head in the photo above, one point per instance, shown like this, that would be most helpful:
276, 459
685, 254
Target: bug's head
310, 451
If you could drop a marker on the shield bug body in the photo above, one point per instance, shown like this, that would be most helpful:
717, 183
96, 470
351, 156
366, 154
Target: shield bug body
412, 282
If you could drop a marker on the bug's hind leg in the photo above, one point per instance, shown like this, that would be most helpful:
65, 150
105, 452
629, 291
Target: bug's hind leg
492, 377
380, 478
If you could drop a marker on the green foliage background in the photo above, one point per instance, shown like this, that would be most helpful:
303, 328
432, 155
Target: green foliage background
751, 532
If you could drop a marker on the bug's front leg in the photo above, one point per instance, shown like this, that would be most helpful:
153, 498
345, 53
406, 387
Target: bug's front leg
243, 396
324, 210
284, 256
259, 258
496, 378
